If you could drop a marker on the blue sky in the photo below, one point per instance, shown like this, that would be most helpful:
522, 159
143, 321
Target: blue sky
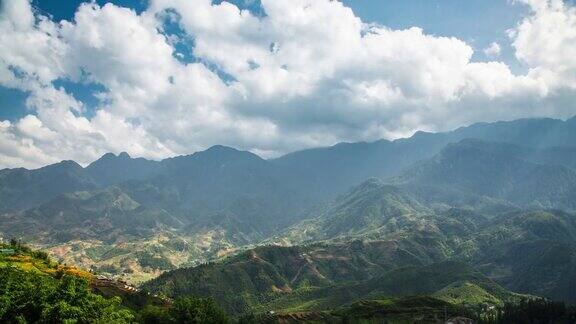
478, 22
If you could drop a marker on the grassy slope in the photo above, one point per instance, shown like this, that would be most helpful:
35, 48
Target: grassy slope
39, 263
28, 260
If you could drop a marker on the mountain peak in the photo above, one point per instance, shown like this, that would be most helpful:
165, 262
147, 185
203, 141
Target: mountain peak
112, 168
107, 156
377, 185
124, 155
225, 152
421, 133
66, 164
221, 148
112, 156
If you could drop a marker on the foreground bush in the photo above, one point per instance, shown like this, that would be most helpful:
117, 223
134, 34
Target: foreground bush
32, 297
189, 310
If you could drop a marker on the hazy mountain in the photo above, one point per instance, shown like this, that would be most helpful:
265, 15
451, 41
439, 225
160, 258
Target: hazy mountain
530, 132
113, 169
217, 178
236, 191
332, 170
22, 188
205, 204
502, 171
102, 215
210, 179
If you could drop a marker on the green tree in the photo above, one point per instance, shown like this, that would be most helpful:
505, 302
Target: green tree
32, 297
151, 314
191, 310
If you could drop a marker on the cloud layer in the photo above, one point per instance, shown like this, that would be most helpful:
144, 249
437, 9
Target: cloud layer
306, 74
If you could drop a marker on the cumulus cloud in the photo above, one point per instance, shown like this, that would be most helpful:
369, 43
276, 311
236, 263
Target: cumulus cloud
546, 42
29, 46
493, 50
307, 73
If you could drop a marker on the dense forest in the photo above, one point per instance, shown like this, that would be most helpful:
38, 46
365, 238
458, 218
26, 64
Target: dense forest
35, 289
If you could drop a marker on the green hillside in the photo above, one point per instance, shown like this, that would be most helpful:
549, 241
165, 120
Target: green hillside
324, 276
369, 209
530, 252
524, 251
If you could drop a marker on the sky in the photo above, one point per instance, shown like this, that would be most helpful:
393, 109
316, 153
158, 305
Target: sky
161, 78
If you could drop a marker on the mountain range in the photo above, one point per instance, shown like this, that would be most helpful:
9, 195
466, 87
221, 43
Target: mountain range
484, 214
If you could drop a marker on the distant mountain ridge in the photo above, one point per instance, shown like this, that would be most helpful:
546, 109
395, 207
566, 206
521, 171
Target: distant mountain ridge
334, 169
321, 173
22, 188
500, 171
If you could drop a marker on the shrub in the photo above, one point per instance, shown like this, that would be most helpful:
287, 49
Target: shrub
32, 297
197, 311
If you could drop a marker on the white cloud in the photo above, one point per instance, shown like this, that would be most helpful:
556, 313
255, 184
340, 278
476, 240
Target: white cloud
308, 73
30, 52
32, 127
546, 42
493, 50
120, 50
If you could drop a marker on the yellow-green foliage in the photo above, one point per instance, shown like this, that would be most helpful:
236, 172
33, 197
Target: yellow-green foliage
467, 293
32, 296
33, 288
38, 262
